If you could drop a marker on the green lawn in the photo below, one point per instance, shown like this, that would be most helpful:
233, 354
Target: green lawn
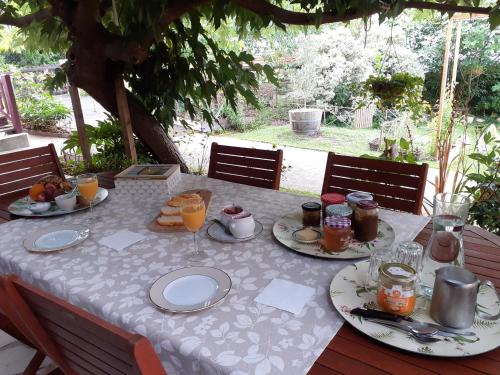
345, 141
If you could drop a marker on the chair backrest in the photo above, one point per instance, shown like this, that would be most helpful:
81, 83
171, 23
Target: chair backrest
77, 341
19, 170
249, 166
397, 186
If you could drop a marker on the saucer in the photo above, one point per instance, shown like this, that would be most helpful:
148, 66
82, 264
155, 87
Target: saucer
217, 232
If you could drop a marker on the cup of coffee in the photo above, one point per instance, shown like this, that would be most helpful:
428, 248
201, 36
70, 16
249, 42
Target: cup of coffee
230, 212
242, 226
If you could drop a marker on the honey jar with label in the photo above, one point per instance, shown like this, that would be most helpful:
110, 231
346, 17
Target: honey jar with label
396, 288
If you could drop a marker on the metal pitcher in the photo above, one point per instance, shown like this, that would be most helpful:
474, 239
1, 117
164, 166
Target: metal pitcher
454, 298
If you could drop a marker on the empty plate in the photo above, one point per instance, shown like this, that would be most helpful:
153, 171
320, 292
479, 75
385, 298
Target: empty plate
55, 239
190, 289
217, 231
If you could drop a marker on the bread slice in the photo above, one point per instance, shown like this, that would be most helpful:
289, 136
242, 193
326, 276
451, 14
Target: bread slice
170, 211
169, 221
183, 199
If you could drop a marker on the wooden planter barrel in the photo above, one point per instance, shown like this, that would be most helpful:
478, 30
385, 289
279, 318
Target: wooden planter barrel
305, 121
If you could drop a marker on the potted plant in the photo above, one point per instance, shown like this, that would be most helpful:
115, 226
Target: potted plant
305, 121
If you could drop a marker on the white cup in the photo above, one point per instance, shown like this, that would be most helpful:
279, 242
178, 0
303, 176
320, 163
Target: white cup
66, 202
230, 212
242, 226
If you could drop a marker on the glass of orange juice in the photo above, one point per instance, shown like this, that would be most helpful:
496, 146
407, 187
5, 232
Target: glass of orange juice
193, 217
87, 186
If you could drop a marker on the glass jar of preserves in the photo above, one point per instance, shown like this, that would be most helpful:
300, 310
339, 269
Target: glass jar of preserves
355, 197
311, 214
396, 288
329, 199
365, 221
337, 233
339, 210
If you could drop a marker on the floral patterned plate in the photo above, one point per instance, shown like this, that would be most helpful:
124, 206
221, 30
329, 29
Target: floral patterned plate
348, 290
283, 231
20, 207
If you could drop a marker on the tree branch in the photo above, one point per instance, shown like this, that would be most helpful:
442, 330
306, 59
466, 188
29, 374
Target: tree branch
285, 16
175, 12
23, 21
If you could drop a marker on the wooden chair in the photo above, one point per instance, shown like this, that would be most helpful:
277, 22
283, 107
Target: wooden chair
21, 169
397, 186
248, 166
76, 341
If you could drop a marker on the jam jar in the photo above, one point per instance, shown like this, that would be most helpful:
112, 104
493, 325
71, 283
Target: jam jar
331, 198
338, 210
355, 197
365, 221
311, 214
396, 288
337, 233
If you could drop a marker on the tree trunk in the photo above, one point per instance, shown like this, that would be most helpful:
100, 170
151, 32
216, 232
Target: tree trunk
92, 72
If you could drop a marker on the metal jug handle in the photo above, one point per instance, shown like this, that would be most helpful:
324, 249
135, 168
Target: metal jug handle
484, 315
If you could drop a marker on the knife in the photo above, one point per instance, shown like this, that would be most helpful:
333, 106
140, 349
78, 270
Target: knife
377, 314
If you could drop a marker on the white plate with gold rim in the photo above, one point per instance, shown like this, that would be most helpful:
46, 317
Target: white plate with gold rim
348, 290
190, 289
285, 226
56, 238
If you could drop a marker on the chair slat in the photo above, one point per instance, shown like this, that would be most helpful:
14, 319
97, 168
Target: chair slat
397, 186
248, 161
101, 350
26, 163
23, 185
378, 164
375, 176
242, 180
243, 151
24, 154
38, 170
263, 174
254, 167
375, 188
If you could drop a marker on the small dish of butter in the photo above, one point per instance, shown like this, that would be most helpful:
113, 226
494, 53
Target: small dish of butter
306, 235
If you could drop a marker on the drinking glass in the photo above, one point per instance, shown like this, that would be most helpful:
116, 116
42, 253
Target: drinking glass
445, 247
410, 253
378, 257
193, 217
87, 186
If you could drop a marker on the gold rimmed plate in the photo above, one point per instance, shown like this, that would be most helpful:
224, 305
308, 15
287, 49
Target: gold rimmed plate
56, 238
190, 289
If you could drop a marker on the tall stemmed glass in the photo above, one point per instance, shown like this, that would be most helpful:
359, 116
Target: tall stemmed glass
193, 217
87, 186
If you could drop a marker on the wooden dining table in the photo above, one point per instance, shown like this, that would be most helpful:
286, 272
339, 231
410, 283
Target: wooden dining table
351, 352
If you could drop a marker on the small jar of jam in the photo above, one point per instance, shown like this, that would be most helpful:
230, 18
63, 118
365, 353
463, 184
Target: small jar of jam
338, 210
355, 197
337, 233
311, 214
396, 288
331, 198
365, 221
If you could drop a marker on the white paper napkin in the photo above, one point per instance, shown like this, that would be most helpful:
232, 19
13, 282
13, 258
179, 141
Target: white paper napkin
285, 295
121, 239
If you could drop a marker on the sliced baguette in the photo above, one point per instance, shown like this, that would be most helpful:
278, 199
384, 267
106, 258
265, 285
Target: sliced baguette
169, 221
170, 211
183, 199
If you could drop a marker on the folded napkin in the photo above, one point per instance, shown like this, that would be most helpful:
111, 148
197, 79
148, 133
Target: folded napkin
285, 295
121, 239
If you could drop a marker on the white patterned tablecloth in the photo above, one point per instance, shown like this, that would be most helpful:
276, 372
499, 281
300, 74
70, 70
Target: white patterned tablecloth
236, 337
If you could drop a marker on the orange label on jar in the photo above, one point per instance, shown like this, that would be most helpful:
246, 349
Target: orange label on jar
396, 300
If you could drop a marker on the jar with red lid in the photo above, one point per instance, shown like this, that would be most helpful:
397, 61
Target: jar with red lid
365, 220
337, 233
329, 199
